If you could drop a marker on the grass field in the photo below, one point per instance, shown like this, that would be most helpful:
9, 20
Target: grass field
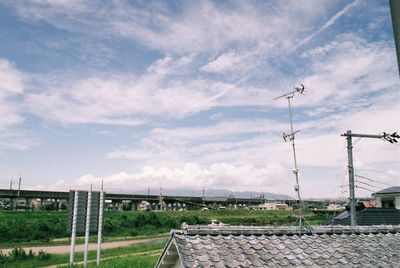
139, 252
36, 228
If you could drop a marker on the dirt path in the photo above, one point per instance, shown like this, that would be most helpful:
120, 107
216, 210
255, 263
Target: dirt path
64, 249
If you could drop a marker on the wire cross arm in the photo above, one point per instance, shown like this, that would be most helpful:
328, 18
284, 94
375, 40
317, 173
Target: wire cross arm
390, 137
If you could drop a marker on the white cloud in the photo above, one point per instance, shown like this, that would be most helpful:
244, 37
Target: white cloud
11, 87
189, 176
349, 69
226, 62
126, 99
328, 24
193, 27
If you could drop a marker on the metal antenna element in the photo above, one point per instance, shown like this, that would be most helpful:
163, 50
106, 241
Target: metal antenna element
291, 137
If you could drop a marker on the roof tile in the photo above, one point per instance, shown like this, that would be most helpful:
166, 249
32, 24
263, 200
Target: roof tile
362, 247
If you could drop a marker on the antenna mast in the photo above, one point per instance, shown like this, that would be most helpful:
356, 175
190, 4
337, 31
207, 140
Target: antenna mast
291, 137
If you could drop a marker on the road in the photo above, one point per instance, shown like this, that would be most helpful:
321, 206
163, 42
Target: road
64, 249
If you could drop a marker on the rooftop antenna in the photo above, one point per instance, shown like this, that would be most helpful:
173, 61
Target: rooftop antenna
291, 137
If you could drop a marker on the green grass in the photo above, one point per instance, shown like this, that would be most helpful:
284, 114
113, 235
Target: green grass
63, 259
39, 228
145, 261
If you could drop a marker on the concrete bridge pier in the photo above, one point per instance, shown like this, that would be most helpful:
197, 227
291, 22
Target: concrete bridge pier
135, 205
28, 204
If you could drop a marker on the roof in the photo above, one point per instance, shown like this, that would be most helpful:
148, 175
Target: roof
369, 216
390, 190
339, 246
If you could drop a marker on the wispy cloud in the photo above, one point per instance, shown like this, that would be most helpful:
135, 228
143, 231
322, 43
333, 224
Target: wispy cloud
11, 88
328, 24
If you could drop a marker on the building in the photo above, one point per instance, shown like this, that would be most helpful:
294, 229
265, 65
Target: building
324, 246
369, 216
273, 206
388, 198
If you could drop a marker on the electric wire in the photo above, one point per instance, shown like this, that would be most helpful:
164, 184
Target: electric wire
358, 186
369, 179
357, 181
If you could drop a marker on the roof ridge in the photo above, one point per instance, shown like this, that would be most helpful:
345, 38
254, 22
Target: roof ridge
284, 230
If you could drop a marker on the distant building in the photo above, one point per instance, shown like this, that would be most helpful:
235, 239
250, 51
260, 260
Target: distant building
388, 198
238, 246
336, 207
144, 206
273, 206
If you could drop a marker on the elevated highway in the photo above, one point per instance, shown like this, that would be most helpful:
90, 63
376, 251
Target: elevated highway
118, 198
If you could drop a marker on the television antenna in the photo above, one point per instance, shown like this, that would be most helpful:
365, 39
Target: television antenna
290, 137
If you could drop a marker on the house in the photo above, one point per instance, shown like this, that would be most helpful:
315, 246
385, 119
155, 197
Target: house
322, 246
369, 216
388, 198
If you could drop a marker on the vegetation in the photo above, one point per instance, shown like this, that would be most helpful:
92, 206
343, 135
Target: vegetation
137, 254
17, 227
19, 255
144, 261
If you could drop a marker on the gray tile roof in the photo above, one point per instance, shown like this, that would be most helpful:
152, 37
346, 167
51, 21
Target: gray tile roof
369, 216
329, 246
390, 190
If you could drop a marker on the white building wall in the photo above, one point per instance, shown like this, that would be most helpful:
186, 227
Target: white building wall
397, 202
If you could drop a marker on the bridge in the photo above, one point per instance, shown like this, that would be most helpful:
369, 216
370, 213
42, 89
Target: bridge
116, 200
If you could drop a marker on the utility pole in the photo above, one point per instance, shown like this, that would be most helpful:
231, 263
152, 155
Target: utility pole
351, 178
11, 183
19, 185
203, 197
161, 199
291, 137
392, 138
395, 12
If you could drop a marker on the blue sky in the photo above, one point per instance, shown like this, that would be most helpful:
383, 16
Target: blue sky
180, 93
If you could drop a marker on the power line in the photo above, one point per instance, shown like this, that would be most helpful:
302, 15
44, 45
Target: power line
358, 186
367, 184
363, 177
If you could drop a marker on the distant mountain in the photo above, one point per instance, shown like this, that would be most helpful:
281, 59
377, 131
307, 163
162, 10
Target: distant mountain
215, 192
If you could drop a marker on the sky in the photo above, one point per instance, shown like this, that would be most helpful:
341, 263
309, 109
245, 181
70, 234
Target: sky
180, 94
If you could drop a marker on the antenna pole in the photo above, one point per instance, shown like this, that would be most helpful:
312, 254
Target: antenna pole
292, 137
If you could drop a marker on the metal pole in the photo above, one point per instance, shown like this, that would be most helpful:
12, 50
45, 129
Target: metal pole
19, 185
87, 229
395, 12
99, 234
73, 235
295, 171
351, 178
